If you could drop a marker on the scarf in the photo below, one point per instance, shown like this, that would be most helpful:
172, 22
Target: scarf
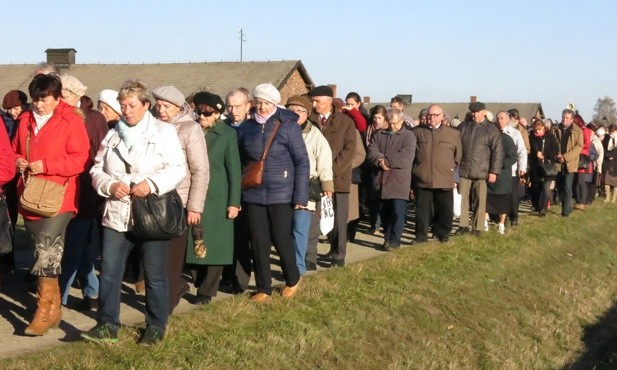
262, 119
132, 134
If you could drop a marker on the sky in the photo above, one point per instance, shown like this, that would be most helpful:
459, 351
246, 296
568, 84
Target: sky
552, 52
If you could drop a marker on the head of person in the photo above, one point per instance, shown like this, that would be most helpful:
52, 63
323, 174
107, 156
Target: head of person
567, 117
579, 121
238, 103
353, 100
109, 106
86, 103
379, 117
72, 90
208, 108
522, 121
321, 98
134, 99
168, 102
538, 126
44, 68
434, 115
267, 97
45, 92
503, 119
422, 116
300, 105
514, 115
396, 118
397, 103
612, 129
478, 111
15, 102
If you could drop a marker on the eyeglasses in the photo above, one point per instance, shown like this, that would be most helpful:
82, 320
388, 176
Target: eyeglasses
434, 115
203, 113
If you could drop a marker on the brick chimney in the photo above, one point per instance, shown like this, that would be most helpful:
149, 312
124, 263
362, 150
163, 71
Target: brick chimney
473, 99
367, 100
62, 58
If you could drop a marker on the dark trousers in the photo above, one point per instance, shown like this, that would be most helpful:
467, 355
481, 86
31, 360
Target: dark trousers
313, 237
542, 192
516, 199
565, 180
208, 279
268, 225
393, 218
176, 256
116, 248
338, 235
434, 206
240, 270
581, 188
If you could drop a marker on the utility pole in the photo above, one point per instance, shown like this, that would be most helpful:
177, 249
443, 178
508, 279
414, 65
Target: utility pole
242, 41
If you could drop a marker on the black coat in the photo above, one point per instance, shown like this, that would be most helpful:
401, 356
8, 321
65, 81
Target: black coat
549, 150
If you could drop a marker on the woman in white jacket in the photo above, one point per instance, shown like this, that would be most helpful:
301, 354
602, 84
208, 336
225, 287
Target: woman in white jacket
141, 155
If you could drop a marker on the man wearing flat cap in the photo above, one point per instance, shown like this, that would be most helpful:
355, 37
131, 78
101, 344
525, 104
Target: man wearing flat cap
340, 131
481, 163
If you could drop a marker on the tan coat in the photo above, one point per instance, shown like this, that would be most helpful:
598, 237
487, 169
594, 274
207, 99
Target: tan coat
574, 147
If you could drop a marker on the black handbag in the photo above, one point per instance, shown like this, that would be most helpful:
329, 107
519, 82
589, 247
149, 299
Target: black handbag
548, 168
6, 229
158, 217
315, 189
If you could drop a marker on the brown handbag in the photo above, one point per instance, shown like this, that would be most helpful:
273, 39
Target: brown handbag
41, 196
252, 175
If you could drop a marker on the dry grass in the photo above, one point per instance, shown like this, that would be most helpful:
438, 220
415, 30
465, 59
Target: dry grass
538, 298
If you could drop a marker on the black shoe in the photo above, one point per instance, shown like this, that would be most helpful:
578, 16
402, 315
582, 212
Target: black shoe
310, 266
542, 213
88, 304
202, 299
386, 246
418, 241
462, 231
514, 222
337, 263
101, 333
475, 232
151, 336
443, 239
395, 246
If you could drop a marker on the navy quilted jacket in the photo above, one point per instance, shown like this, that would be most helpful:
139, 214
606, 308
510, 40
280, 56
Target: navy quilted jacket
286, 170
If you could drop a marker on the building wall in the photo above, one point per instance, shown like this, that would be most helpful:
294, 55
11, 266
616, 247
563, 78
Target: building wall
295, 85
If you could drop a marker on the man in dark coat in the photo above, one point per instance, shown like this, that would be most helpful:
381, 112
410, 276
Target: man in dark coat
481, 163
438, 153
340, 131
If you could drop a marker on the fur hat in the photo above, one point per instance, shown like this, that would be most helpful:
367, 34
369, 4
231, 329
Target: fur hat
110, 97
302, 101
14, 98
73, 85
209, 99
169, 93
267, 92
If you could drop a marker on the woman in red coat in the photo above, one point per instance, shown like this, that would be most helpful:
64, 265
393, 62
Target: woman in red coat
51, 143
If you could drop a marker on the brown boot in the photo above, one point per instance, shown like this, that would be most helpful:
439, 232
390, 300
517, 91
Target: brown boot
45, 295
607, 193
55, 312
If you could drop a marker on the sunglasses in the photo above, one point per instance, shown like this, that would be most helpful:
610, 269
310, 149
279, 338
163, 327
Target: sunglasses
203, 113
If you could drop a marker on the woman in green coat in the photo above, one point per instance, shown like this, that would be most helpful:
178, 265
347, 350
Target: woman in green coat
213, 239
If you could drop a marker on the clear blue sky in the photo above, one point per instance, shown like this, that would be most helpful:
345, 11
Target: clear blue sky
553, 52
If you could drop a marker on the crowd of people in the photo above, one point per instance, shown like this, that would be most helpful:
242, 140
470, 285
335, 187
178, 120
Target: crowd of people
252, 172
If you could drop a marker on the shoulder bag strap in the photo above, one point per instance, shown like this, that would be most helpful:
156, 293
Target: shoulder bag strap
276, 127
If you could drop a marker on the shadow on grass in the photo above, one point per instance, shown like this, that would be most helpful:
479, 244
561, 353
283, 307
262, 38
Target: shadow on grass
600, 339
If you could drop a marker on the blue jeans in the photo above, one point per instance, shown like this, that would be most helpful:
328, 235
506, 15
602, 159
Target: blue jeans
81, 247
302, 225
393, 220
116, 248
565, 181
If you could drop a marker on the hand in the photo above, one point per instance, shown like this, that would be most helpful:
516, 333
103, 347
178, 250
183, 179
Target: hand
299, 206
36, 167
140, 190
119, 190
328, 194
21, 164
560, 158
540, 156
232, 212
383, 165
492, 178
193, 218
412, 196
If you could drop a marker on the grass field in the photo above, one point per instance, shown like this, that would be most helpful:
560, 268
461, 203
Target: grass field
540, 297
